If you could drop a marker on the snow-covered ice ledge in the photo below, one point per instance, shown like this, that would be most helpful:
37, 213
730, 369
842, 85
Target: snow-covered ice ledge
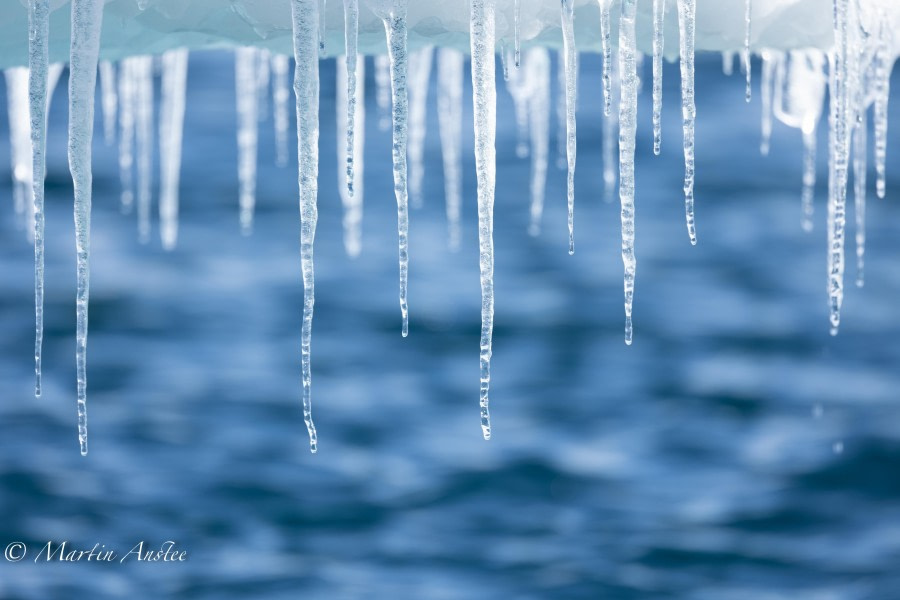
166, 24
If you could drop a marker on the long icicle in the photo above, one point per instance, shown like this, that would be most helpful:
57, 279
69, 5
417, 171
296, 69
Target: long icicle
350, 160
305, 17
571, 65
109, 102
351, 66
687, 10
38, 58
126, 132
611, 134
839, 150
87, 16
606, 50
450, 84
537, 76
745, 55
248, 133
143, 89
627, 134
419, 77
280, 97
481, 33
171, 122
659, 16
395, 28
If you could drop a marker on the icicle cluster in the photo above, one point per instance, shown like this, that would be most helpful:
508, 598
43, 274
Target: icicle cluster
792, 91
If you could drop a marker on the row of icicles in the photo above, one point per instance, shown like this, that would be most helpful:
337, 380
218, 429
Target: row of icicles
792, 89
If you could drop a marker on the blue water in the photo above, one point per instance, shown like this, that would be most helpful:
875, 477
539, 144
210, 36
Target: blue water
735, 451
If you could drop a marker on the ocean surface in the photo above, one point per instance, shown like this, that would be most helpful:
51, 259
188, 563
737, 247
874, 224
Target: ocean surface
735, 451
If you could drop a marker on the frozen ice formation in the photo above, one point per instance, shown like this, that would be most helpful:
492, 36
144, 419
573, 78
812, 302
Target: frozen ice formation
846, 47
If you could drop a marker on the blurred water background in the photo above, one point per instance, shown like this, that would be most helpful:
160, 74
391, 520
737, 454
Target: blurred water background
735, 451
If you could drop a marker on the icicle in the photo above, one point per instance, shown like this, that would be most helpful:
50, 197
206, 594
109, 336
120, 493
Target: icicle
568, 28
347, 120
126, 131
20, 141
142, 72
322, 6
450, 84
883, 64
263, 76
859, 196
809, 178
659, 15
606, 49
353, 68
561, 162
245, 82
481, 28
419, 76
769, 61
839, 153
727, 63
280, 97
305, 17
383, 90
518, 48
504, 63
686, 13
395, 29
171, 124
537, 75
518, 86
110, 99
85, 48
611, 133
745, 56
38, 57
627, 131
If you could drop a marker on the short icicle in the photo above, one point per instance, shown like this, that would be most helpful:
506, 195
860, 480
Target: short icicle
281, 95
305, 17
171, 125
87, 17
659, 15
611, 134
517, 40
517, 84
38, 59
769, 64
20, 141
745, 55
419, 77
627, 133
383, 90
884, 60
687, 10
571, 66
395, 29
859, 195
809, 178
248, 132
537, 76
351, 126
481, 33
450, 91
109, 100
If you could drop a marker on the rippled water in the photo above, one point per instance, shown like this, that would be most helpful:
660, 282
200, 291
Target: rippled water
735, 451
